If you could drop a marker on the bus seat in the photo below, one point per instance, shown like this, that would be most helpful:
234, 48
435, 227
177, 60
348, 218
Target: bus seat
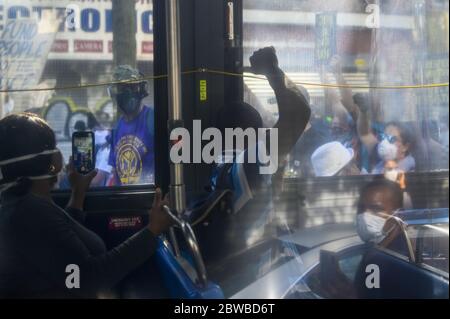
202, 209
401, 279
178, 282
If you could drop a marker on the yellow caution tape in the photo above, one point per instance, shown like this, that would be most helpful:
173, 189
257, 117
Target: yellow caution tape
164, 76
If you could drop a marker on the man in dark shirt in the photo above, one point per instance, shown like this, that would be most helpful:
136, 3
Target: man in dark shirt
253, 208
132, 152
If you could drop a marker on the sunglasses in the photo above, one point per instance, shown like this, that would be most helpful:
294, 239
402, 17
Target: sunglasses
390, 138
114, 90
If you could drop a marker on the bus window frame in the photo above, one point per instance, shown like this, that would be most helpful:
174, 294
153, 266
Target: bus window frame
128, 198
200, 22
196, 53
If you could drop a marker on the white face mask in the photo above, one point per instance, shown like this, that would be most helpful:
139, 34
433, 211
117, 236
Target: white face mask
387, 151
370, 227
5, 187
392, 175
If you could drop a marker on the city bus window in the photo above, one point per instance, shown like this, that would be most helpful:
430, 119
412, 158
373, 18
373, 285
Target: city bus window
376, 75
58, 59
432, 246
339, 171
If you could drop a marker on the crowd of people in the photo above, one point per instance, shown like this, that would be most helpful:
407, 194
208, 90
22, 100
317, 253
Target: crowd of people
35, 232
354, 141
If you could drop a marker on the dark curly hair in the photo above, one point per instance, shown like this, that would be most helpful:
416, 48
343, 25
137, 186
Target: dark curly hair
405, 133
394, 189
22, 134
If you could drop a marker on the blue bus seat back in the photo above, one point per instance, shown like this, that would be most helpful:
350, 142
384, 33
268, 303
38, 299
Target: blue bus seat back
178, 282
401, 279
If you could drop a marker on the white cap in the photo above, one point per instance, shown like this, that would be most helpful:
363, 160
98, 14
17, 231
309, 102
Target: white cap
330, 158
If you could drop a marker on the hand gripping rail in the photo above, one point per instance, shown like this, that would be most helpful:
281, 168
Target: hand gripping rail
192, 243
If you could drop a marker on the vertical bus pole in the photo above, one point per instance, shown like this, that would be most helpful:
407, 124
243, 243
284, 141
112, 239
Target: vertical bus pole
2, 98
177, 188
2, 95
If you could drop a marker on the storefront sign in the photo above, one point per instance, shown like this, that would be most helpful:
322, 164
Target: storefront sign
24, 47
325, 46
85, 31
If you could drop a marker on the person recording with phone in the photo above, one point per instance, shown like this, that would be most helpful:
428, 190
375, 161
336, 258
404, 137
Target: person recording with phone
132, 146
83, 156
38, 239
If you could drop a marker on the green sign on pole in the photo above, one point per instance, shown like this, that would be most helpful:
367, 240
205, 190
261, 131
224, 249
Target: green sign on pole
325, 33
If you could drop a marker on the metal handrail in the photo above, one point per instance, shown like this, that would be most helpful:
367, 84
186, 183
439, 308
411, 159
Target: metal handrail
192, 242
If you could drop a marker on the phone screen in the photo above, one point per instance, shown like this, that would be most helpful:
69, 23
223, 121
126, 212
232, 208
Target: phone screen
83, 152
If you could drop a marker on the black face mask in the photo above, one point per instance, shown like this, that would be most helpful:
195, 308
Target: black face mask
128, 102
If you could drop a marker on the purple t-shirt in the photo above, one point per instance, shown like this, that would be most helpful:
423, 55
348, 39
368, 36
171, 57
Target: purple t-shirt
132, 153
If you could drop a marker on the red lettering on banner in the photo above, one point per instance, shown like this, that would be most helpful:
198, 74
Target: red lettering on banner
60, 46
147, 47
88, 46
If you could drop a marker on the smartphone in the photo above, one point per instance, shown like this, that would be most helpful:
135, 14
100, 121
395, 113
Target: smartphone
83, 151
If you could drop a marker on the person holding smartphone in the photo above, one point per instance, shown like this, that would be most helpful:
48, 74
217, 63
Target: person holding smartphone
38, 239
132, 146
83, 156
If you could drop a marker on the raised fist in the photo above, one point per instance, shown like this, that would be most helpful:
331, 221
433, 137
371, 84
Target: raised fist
362, 101
336, 64
264, 61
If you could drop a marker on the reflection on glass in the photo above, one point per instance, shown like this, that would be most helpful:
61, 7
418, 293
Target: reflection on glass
356, 45
70, 44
